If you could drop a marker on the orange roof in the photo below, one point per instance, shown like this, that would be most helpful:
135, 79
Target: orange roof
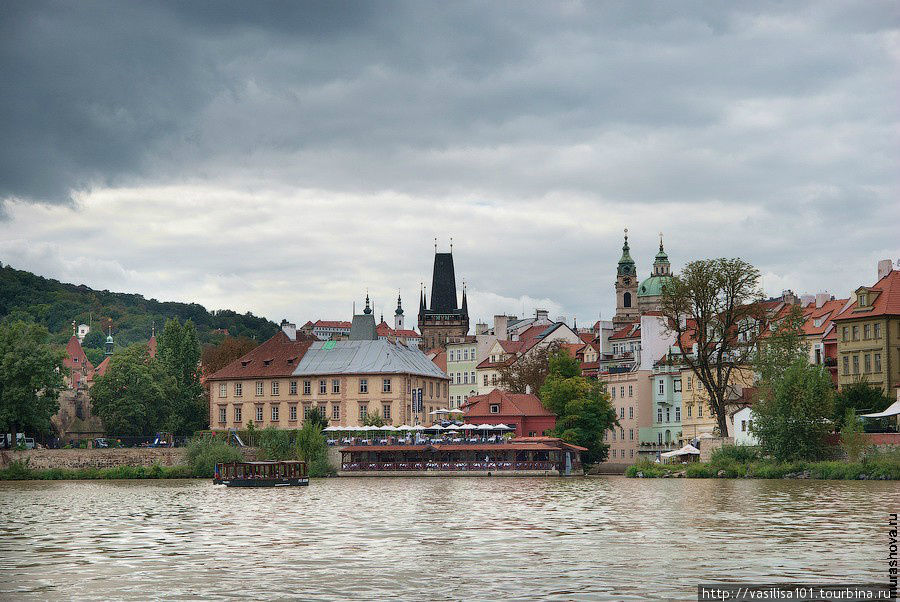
587, 337
886, 302
75, 352
440, 360
511, 404
278, 356
511, 346
331, 324
629, 331
101, 368
823, 315
408, 334
151, 346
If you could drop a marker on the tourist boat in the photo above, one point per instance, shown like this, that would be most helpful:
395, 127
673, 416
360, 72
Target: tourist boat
262, 474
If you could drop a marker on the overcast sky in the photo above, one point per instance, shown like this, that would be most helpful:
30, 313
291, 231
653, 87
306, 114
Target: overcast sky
283, 158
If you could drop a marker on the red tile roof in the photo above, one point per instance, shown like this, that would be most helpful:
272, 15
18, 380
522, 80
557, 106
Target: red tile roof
587, 337
407, 334
151, 346
440, 360
629, 331
75, 352
511, 346
277, 357
101, 368
824, 314
885, 303
511, 404
331, 324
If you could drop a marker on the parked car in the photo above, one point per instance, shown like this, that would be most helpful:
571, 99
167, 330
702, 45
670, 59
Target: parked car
21, 441
101, 442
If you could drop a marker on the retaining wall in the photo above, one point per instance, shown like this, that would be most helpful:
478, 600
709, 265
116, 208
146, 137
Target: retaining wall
103, 458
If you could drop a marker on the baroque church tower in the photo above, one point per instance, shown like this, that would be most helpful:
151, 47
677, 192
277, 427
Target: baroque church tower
626, 288
443, 321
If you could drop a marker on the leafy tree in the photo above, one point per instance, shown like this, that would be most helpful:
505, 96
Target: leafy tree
216, 357
30, 378
178, 350
132, 397
714, 302
373, 419
853, 440
860, 396
530, 371
317, 420
582, 407
795, 399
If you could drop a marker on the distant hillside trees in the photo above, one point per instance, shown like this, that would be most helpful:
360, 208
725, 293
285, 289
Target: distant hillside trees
55, 305
30, 378
217, 356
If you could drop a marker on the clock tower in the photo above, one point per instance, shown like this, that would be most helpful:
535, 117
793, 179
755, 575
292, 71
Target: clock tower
626, 288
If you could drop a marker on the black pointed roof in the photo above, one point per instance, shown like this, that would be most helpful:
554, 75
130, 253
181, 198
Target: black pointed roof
443, 284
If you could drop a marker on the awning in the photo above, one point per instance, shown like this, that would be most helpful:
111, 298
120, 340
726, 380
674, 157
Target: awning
893, 410
687, 450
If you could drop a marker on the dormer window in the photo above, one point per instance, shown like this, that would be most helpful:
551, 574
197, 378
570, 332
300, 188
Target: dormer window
863, 299
495, 408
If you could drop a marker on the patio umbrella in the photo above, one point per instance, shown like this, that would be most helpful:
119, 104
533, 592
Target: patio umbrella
404, 427
457, 411
435, 427
331, 429
418, 427
436, 412
467, 427
387, 427
485, 427
503, 427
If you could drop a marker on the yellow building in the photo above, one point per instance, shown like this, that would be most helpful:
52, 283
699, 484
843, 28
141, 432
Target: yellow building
697, 417
868, 334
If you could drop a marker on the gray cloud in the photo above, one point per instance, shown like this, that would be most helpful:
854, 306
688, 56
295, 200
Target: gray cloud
766, 130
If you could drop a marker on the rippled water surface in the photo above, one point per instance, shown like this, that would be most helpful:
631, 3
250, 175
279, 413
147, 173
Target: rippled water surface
435, 539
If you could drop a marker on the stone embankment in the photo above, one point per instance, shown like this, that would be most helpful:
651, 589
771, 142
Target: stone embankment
42, 459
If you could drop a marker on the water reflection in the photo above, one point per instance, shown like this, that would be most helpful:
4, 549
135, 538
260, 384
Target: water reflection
441, 539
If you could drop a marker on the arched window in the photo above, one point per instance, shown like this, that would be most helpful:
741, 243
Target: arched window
626, 300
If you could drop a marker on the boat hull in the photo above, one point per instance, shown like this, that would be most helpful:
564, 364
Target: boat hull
302, 482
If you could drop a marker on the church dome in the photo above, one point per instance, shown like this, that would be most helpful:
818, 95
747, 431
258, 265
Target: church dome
653, 286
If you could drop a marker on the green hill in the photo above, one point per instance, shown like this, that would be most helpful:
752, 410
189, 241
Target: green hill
56, 304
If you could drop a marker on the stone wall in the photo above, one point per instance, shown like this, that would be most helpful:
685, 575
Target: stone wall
102, 458
708, 446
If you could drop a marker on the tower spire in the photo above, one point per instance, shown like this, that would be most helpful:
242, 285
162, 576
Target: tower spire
368, 309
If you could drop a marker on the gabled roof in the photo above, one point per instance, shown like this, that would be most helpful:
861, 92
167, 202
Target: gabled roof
511, 404
823, 315
101, 368
75, 352
407, 334
587, 337
885, 303
277, 357
629, 331
440, 360
365, 357
151, 346
331, 324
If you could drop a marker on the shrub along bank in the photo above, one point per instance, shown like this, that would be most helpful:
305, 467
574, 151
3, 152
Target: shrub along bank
20, 471
737, 462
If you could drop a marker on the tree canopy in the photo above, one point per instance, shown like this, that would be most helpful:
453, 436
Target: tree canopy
582, 406
715, 303
530, 371
30, 378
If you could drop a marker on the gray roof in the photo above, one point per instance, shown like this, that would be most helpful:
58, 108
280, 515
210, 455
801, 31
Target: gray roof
363, 328
365, 357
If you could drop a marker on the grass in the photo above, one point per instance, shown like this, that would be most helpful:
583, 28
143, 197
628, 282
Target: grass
733, 462
20, 471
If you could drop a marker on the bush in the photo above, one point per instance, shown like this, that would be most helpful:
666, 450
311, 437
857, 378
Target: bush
648, 469
736, 453
203, 453
16, 471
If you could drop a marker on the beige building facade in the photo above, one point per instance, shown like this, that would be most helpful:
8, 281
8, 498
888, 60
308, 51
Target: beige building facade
631, 397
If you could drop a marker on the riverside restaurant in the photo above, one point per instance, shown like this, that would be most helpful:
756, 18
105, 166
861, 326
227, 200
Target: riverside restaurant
464, 450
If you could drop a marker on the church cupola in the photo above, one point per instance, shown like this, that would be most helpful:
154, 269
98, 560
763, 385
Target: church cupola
109, 340
661, 265
626, 263
368, 309
626, 288
398, 314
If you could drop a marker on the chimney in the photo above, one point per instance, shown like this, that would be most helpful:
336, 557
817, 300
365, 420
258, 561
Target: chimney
885, 267
481, 328
541, 316
527, 389
807, 299
822, 299
500, 326
789, 297
289, 329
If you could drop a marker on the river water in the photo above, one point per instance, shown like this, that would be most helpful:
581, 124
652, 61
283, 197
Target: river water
436, 538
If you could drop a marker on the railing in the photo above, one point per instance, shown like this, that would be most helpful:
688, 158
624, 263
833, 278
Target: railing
449, 466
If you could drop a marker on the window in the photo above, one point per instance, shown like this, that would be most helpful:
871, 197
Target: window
275, 387
630, 391
292, 412
386, 411
630, 411
306, 410
662, 387
613, 391
690, 410
867, 363
846, 365
335, 412
699, 410
293, 387
863, 299
223, 389
844, 335
668, 415
877, 330
238, 389
622, 434
856, 333
473, 378
743, 426
485, 380
630, 453
677, 385
677, 413
866, 329
237, 413
855, 364
622, 391
386, 385
259, 413
622, 412
614, 434
223, 414
259, 388
430, 388
363, 411
493, 379
466, 354
690, 382
877, 362
336, 385
321, 410
364, 385
274, 412
614, 453
659, 438
495, 408
659, 414
626, 300
631, 434
323, 387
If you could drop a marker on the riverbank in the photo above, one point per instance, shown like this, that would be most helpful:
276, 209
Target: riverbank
882, 468
19, 471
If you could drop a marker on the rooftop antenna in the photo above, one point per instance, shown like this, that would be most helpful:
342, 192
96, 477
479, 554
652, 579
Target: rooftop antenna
451, 244
435, 245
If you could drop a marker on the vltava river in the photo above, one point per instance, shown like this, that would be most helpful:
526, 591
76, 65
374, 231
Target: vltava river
435, 539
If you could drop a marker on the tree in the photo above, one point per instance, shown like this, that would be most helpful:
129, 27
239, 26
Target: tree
852, 438
132, 397
795, 399
530, 371
373, 419
317, 420
582, 407
715, 303
216, 357
30, 378
860, 396
178, 350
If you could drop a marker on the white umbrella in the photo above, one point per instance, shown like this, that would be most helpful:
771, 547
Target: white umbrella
503, 427
485, 427
331, 429
435, 412
458, 411
387, 427
418, 427
468, 427
404, 427
435, 427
